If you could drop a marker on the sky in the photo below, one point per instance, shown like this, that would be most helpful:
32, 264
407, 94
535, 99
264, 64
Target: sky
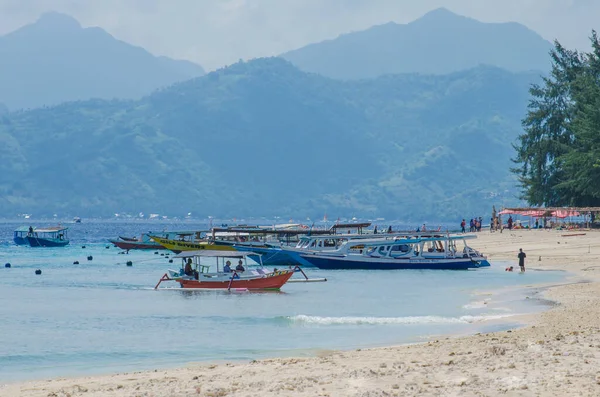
215, 33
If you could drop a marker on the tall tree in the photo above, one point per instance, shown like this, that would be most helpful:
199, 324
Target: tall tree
560, 112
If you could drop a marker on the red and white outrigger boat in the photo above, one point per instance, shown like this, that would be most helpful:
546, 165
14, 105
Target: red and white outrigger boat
199, 277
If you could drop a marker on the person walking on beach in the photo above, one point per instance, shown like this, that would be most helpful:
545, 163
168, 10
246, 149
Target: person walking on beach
463, 224
522, 257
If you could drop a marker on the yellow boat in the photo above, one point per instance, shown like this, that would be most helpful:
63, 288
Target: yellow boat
178, 246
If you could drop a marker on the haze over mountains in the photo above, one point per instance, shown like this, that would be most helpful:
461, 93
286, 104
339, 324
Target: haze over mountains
440, 42
56, 60
263, 138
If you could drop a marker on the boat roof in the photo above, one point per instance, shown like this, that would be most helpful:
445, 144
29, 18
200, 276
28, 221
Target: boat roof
215, 253
350, 225
51, 229
409, 240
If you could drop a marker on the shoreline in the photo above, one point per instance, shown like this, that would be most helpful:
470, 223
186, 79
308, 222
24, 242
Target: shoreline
549, 352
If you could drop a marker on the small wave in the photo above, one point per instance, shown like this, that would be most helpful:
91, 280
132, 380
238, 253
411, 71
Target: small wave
317, 320
477, 305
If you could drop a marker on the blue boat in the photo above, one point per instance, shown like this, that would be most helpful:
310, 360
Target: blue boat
48, 237
20, 235
434, 253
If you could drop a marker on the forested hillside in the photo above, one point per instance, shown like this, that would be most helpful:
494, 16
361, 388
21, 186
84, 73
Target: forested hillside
264, 138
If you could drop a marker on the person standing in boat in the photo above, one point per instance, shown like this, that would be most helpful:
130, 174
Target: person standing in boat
30, 231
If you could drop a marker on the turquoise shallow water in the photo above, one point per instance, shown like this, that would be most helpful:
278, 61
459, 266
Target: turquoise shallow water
102, 316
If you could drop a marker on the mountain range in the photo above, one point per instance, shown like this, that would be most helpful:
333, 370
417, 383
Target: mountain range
265, 138
438, 43
55, 60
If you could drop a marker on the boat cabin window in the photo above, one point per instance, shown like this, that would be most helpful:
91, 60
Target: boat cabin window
383, 250
313, 244
401, 248
329, 243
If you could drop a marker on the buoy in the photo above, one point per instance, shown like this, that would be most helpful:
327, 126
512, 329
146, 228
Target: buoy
90, 258
162, 254
38, 271
108, 246
76, 263
170, 260
7, 265
156, 253
129, 263
83, 246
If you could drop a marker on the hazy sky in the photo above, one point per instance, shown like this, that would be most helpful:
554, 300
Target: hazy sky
218, 32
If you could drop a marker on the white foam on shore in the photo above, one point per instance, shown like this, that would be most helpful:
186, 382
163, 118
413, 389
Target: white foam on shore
317, 320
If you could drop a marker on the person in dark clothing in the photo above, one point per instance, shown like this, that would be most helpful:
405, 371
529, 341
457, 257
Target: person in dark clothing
510, 223
463, 224
522, 257
240, 267
188, 268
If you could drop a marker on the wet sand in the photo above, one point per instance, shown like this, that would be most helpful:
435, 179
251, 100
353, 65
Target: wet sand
556, 354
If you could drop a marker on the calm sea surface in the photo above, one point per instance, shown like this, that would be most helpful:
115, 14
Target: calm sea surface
102, 316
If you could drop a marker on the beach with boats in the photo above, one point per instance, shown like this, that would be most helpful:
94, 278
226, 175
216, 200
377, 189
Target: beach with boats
446, 294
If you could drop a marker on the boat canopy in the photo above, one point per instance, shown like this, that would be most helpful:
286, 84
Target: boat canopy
50, 230
215, 253
23, 229
408, 240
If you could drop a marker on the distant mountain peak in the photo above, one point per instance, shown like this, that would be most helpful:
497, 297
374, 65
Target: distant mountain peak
57, 20
440, 15
439, 42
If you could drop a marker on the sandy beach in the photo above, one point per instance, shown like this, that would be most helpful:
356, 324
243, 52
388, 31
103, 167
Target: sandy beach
556, 354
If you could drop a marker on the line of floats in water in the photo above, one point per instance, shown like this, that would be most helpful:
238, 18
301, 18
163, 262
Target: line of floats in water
288, 249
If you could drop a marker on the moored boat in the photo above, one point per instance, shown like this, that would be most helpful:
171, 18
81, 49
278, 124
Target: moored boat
189, 242
440, 253
196, 272
133, 243
47, 237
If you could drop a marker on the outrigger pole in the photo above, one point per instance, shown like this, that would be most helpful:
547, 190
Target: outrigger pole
165, 277
306, 279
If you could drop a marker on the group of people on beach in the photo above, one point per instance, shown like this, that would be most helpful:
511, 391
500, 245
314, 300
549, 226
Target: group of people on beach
474, 225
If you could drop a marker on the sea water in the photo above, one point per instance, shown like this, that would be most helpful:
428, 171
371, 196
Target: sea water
102, 316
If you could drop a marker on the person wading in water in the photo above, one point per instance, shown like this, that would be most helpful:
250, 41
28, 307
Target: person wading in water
522, 257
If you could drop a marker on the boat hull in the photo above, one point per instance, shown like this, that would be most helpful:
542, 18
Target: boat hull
178, 246
271, 281
21, 241
133, 245
342, 263
296, 256
45, 242
270, 256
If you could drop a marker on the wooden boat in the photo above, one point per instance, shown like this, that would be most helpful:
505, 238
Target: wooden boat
199, 276
189, 241
133, 243
48, 237
440, 253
